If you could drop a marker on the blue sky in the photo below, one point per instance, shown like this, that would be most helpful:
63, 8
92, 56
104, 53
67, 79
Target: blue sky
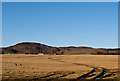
60, 0
93, 24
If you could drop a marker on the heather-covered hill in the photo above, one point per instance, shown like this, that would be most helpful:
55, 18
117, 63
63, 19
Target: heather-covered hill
28, 47
35, 48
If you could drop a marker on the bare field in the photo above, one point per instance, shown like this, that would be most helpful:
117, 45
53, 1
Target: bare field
52, 67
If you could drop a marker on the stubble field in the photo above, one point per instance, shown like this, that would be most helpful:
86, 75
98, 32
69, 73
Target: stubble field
59, 67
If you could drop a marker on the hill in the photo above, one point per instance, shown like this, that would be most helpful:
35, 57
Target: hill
35, 48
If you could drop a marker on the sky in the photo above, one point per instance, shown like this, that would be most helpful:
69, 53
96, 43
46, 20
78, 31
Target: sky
93, 24
60, 0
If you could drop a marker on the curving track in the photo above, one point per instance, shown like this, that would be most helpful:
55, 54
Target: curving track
96, 73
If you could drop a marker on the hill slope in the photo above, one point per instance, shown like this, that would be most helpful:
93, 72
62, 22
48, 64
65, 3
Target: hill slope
35, 48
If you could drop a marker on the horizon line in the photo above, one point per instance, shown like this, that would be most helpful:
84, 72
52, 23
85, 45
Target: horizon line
59, 46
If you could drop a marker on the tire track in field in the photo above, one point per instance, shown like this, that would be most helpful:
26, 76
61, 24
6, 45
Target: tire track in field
96, 73
54, 75
62, 75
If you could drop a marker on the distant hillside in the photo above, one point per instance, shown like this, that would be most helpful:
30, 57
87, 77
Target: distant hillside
35, 48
